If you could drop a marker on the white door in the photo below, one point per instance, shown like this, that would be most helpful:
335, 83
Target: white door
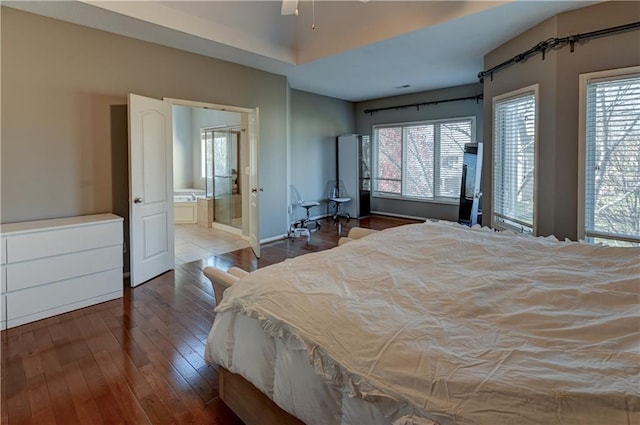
150, 188
254, 184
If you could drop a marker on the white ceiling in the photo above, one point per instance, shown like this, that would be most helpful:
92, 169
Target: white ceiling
359, 50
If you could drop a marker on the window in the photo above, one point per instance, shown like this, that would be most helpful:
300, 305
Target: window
514, 160
215, 144
609, 181
421, 161
206, 153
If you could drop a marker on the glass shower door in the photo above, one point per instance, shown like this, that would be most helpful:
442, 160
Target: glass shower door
222, 177
207, 163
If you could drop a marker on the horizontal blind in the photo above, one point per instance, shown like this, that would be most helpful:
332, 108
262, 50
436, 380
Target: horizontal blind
453, 136
514, 161
612, 186
419, 161
388, 176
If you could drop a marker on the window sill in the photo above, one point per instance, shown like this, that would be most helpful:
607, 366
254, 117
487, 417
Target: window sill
453, 202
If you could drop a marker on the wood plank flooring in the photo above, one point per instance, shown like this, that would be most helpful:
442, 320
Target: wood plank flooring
139, 359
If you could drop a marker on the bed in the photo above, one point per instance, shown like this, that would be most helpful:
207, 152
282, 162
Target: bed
437, 323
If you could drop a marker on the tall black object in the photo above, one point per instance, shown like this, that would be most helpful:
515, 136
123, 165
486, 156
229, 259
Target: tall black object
470, 195
354, 171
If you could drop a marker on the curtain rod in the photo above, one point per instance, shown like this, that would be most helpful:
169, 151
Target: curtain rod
552, 43
477, 98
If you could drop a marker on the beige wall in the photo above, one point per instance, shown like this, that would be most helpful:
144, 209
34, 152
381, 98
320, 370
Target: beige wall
558, 102
316, 121
64, 131
64, 119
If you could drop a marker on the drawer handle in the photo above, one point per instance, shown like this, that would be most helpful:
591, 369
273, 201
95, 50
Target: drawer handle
137, 201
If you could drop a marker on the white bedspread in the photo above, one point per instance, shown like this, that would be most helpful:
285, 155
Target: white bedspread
439, 322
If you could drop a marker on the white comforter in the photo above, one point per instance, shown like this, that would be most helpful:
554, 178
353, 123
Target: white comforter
438, 322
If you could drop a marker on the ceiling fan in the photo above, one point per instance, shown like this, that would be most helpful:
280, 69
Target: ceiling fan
289, 7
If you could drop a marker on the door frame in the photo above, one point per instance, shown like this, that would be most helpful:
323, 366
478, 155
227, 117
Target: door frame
254, 158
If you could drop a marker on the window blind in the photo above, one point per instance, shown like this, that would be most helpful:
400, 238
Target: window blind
419, 165
388, 175
612, 168
514, 162
453, 137
421, 160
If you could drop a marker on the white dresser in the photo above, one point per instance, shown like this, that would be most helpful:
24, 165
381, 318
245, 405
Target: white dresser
50, 267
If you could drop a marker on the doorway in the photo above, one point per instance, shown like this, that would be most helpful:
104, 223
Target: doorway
151, 182
210, 148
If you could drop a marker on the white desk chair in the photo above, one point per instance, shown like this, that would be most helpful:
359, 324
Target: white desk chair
337, 194
304, 226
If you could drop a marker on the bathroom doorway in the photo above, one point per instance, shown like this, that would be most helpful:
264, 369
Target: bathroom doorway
211, 159
189, 114
156, 145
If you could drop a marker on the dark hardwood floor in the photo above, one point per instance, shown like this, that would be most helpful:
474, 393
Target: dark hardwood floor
138, 359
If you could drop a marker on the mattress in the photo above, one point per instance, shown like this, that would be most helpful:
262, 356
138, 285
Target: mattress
280, 368
438, 323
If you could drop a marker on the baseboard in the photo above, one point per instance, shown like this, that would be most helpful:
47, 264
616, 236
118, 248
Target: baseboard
313, 217
273, 239
409, 217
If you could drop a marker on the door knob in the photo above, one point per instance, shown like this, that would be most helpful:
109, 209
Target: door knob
137, 201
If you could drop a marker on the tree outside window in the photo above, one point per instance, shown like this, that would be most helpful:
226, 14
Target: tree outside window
422, 160
612, 160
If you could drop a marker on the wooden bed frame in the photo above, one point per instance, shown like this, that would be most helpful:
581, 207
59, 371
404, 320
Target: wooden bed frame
249, 403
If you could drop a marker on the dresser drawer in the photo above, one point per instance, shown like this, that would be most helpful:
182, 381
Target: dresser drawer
60, 267
62, 241
47, 300
53, 266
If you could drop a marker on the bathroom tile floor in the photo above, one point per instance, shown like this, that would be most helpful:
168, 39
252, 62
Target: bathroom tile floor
193, 242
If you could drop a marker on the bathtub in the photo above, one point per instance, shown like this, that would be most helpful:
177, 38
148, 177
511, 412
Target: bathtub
188, 192
184, 198
185, 206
